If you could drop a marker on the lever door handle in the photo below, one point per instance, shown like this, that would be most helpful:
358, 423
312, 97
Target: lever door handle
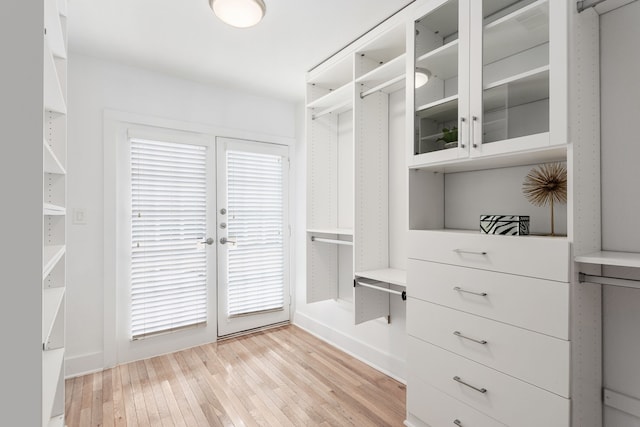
224, 241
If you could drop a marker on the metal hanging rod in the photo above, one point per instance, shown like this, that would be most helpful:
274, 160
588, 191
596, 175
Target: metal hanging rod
583, 5
336, 241
403, 294
606, 280
381, 86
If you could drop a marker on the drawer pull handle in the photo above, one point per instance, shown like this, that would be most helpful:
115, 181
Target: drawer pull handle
464, 251
458, 423
480, 294
459, 334
479, 390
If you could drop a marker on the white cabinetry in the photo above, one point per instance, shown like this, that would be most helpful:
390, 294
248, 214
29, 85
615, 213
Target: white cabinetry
500, 333
348, 175
497, 80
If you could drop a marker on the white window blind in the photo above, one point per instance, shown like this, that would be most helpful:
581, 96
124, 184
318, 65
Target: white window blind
256, 222
168, 265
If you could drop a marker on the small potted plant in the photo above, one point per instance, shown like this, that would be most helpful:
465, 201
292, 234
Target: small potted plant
449, 137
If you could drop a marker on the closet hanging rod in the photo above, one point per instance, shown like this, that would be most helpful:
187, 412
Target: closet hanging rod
330, 109
381, 86
583, 5
403, 294
606, 280
336, 241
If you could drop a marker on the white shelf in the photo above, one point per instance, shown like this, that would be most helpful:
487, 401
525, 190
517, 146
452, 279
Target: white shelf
527, 75
440, 110
334, 100
51, 162
53, 97
49, 209
392, 71
342, 231
618, 259
517, 90
516, 32
55, 36
441, 62
51, 302
51, 256
51, 370
387, 275
503, 160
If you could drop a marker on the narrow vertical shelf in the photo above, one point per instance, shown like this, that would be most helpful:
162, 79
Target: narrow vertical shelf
51, 162
53, 96
51, 303
51, 255
54, 34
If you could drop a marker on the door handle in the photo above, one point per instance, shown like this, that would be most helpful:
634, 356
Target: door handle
209, 241
224, 241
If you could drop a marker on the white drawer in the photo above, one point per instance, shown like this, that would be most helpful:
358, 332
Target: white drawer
532, 357
436, 409
507, 399
533, 256
535, 304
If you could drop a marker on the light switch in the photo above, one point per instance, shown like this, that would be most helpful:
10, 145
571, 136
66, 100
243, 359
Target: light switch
79, 216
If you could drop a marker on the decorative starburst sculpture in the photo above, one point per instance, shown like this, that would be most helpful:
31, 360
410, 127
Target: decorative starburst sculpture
545, 185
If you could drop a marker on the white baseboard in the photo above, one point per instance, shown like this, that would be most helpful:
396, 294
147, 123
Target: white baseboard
84, 364
386, 363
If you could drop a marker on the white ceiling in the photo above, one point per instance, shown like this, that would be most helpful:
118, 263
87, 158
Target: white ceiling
184, 38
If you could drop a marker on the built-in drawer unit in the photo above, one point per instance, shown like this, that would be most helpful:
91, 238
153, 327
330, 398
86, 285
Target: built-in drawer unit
535, 304
431, 406
533, 357
500, 396
533, 256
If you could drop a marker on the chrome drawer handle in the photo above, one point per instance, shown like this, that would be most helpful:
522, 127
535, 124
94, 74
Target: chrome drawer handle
457, 422
480, 294
479, 390
464, 251
459, 334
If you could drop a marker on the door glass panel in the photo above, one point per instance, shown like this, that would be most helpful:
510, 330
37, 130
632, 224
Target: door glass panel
515, 69
436, 100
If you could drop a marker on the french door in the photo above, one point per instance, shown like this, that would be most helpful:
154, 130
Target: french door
253, 235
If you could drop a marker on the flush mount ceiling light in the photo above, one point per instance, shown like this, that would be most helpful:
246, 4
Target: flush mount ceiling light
422, 77
239, 13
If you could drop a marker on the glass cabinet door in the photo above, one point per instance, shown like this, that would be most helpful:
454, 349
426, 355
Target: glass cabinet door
441, 89
514, 102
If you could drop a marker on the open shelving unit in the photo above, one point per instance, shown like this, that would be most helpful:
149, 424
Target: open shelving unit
54, 212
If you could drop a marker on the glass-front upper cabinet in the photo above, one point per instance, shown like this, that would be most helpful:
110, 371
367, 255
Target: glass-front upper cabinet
441, 81
494, 74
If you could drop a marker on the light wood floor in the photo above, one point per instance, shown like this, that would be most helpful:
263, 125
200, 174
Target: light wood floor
280, 377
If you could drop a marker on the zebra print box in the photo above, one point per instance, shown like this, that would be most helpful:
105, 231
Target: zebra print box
506, 225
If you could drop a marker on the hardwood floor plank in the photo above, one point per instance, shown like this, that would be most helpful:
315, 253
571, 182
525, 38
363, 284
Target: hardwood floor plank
279, 377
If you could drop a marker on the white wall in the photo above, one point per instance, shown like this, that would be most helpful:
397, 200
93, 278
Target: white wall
380, 344
96, 85
620, 112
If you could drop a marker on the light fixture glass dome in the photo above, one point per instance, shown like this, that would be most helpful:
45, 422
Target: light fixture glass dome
239, 13
422, 77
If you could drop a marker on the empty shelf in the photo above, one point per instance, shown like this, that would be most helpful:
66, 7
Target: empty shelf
51, 256
387, 275
389, 75
49, 209
55, 36
51, 162
53, 97
618, 259
343, 231
441, 110
341, 98
441, 62
51, 302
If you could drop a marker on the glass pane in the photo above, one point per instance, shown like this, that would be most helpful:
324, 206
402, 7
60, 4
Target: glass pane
436, 99
515, 69
255, 262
